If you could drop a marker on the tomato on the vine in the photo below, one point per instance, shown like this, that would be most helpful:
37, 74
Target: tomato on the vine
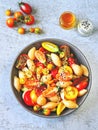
11, 22
29, 19
25, 7
19, 16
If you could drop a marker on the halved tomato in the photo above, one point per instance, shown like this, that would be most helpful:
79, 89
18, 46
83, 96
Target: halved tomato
70, 93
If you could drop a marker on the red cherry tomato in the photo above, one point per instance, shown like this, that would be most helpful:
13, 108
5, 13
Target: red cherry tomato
71, 61
25, 7
54, 72
39, 64
21, 62
29, 19
11, 22
27, 99
82, 85
43, 50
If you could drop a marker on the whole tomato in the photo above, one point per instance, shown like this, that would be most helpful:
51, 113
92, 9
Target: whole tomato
29, 19
25, 7
21, 30
11, 22
8, 12
18, 15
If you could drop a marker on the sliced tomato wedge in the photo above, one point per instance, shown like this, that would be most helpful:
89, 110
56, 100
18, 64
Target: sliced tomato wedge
27, 99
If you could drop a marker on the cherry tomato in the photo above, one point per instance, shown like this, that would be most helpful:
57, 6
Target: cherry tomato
54, 72
70, 93
29, 19
32, 30
8, 12
39, 64
21, 62
71, 61
25, 7
27, 99
36, 108
46, 111
40, 56
19, 16
11, 22
82, 85
43, 50
21, 30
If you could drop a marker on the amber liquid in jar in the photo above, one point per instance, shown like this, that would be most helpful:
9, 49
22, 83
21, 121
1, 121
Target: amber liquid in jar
67, 20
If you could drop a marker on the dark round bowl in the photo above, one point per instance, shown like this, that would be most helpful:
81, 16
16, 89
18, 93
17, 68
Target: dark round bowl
80, 56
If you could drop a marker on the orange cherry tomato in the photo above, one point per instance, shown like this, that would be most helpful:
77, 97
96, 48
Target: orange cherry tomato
70, 93
11, 22
18, 16
21, 30
46, 111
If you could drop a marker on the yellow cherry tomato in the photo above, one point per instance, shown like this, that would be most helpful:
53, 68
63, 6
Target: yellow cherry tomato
8, 12
37, 30
36, 108
70, 92
21, 30
50, 66
22, 80
45, 71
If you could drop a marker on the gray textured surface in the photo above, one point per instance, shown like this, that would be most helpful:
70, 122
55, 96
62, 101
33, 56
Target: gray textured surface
12, 115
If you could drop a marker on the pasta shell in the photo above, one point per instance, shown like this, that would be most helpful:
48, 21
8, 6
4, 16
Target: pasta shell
85, 70
82, 92
70, 104
77, 69
50, 105
31, 53
17, 84
41, 100
31, 65
21, 74
55, 59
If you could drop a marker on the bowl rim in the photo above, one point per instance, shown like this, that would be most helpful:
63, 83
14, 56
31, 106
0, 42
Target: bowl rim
70, 45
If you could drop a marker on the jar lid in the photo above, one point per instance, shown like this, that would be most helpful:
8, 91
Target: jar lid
85, 27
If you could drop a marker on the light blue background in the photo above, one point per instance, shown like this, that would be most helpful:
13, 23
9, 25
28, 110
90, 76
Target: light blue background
47, 12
